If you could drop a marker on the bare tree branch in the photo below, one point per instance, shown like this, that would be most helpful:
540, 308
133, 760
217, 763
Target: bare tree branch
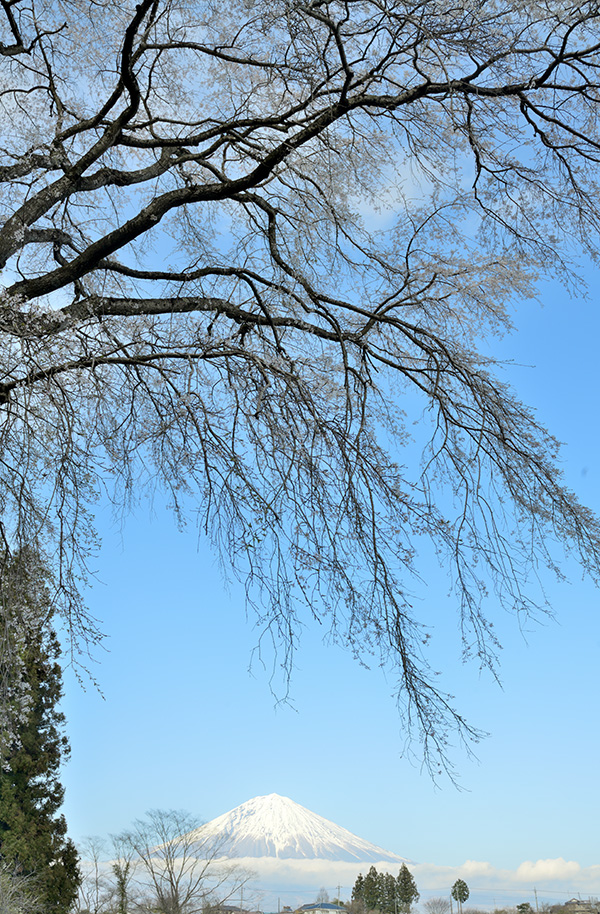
195, 281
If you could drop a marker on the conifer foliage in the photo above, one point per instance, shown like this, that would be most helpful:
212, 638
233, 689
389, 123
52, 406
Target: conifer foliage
460, 893
32, 831
406, 889
382, 892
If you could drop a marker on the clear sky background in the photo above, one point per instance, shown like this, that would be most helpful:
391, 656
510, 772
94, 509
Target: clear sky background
183, 724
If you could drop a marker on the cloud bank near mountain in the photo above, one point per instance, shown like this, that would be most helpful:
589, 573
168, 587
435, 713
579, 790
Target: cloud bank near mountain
294, 882
557, 875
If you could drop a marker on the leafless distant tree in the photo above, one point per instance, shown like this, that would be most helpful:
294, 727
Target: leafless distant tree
437, 905
177, 867
17, 893
244, 245
95, 892
107, 873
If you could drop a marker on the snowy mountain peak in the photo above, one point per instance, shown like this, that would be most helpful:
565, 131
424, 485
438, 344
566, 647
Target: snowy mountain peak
276, 827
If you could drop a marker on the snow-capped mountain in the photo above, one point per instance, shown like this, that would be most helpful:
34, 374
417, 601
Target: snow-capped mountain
276, 827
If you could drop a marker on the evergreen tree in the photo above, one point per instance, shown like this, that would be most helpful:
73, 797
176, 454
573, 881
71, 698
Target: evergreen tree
381, 887
406, 889
391, 894
382, 892
460, 892
358, 888
371, 890
32, 832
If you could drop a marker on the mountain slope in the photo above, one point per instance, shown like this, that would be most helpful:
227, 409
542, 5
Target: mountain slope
276, 827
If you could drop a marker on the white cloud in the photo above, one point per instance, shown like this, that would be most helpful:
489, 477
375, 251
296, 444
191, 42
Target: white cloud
295, 881
554, 880
553, 870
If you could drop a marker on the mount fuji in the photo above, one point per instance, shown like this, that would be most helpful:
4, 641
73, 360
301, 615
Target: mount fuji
275, 827
291, 852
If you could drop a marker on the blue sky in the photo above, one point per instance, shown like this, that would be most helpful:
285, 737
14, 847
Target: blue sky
183, 724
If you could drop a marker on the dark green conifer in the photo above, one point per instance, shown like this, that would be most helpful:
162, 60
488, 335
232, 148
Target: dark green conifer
406, 889
33, 837
358, 888
389, 895
460, 892
371, 889
381, 893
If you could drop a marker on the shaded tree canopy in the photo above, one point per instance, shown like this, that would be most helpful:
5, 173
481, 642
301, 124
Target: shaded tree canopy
240, 244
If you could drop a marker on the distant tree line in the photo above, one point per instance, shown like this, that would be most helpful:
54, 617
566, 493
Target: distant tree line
384, 892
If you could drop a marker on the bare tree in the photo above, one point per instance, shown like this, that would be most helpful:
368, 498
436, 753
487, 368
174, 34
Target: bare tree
200, 294
17, 893
94, 895
177, 867
437, 905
